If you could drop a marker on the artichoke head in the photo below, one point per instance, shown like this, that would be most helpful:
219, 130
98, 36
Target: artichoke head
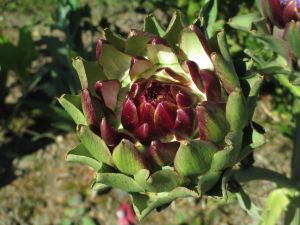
161, 113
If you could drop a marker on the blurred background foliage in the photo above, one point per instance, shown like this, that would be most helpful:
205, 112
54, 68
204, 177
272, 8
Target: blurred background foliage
38, 39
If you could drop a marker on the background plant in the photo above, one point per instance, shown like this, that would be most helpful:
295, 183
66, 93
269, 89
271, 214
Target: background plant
275, 109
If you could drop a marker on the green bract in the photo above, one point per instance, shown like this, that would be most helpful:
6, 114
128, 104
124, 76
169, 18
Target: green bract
162, 113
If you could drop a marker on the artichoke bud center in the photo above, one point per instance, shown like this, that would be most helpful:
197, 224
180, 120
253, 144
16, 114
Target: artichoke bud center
158, 93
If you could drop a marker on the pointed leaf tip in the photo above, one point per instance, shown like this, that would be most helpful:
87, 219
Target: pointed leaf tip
225, 72
151, 25
127, 158
108, 90
236, 110
94, 144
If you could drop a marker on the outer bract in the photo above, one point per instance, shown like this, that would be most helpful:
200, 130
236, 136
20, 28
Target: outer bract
161, 114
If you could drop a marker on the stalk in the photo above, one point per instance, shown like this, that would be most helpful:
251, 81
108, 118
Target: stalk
295, 163
257, 173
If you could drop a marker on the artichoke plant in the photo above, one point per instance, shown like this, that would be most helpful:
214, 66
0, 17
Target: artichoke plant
162, 113
279, 30
285, 15
284, 18
281, 12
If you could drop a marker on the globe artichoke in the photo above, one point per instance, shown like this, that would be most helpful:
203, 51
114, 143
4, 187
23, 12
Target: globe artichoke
285, 14
282, 34
279, 30
162, 113
281, 12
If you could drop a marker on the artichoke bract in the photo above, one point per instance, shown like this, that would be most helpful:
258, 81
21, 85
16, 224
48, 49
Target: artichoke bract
161, 113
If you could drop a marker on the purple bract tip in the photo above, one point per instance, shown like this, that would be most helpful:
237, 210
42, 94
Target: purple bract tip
283, 2
298, 5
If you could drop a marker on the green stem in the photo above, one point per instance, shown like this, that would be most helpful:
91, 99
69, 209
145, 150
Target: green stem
296, 141
296, 157
257, 173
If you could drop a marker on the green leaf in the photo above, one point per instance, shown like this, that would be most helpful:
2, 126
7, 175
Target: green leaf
246, 203
277, 45
174, 29
262, 26
194, 49
116, 40
72, 104
98, 187
136, 45
253, 84
284, 80
212, 122
208, 180
276, 204
257, 139
120, 181
194, 157
127, 158
160, 181
210, 14
88, 73
161, 55
228, 156
141, 69
81, 155
235, 140
243, 22
152, 26
236, 110
94, 144
276, 65
115, 64
225, 72
259, 6
223, 46
292, 214
143, 204
224, 158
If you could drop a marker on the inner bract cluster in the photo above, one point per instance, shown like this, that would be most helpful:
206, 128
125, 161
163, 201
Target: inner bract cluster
156, 110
